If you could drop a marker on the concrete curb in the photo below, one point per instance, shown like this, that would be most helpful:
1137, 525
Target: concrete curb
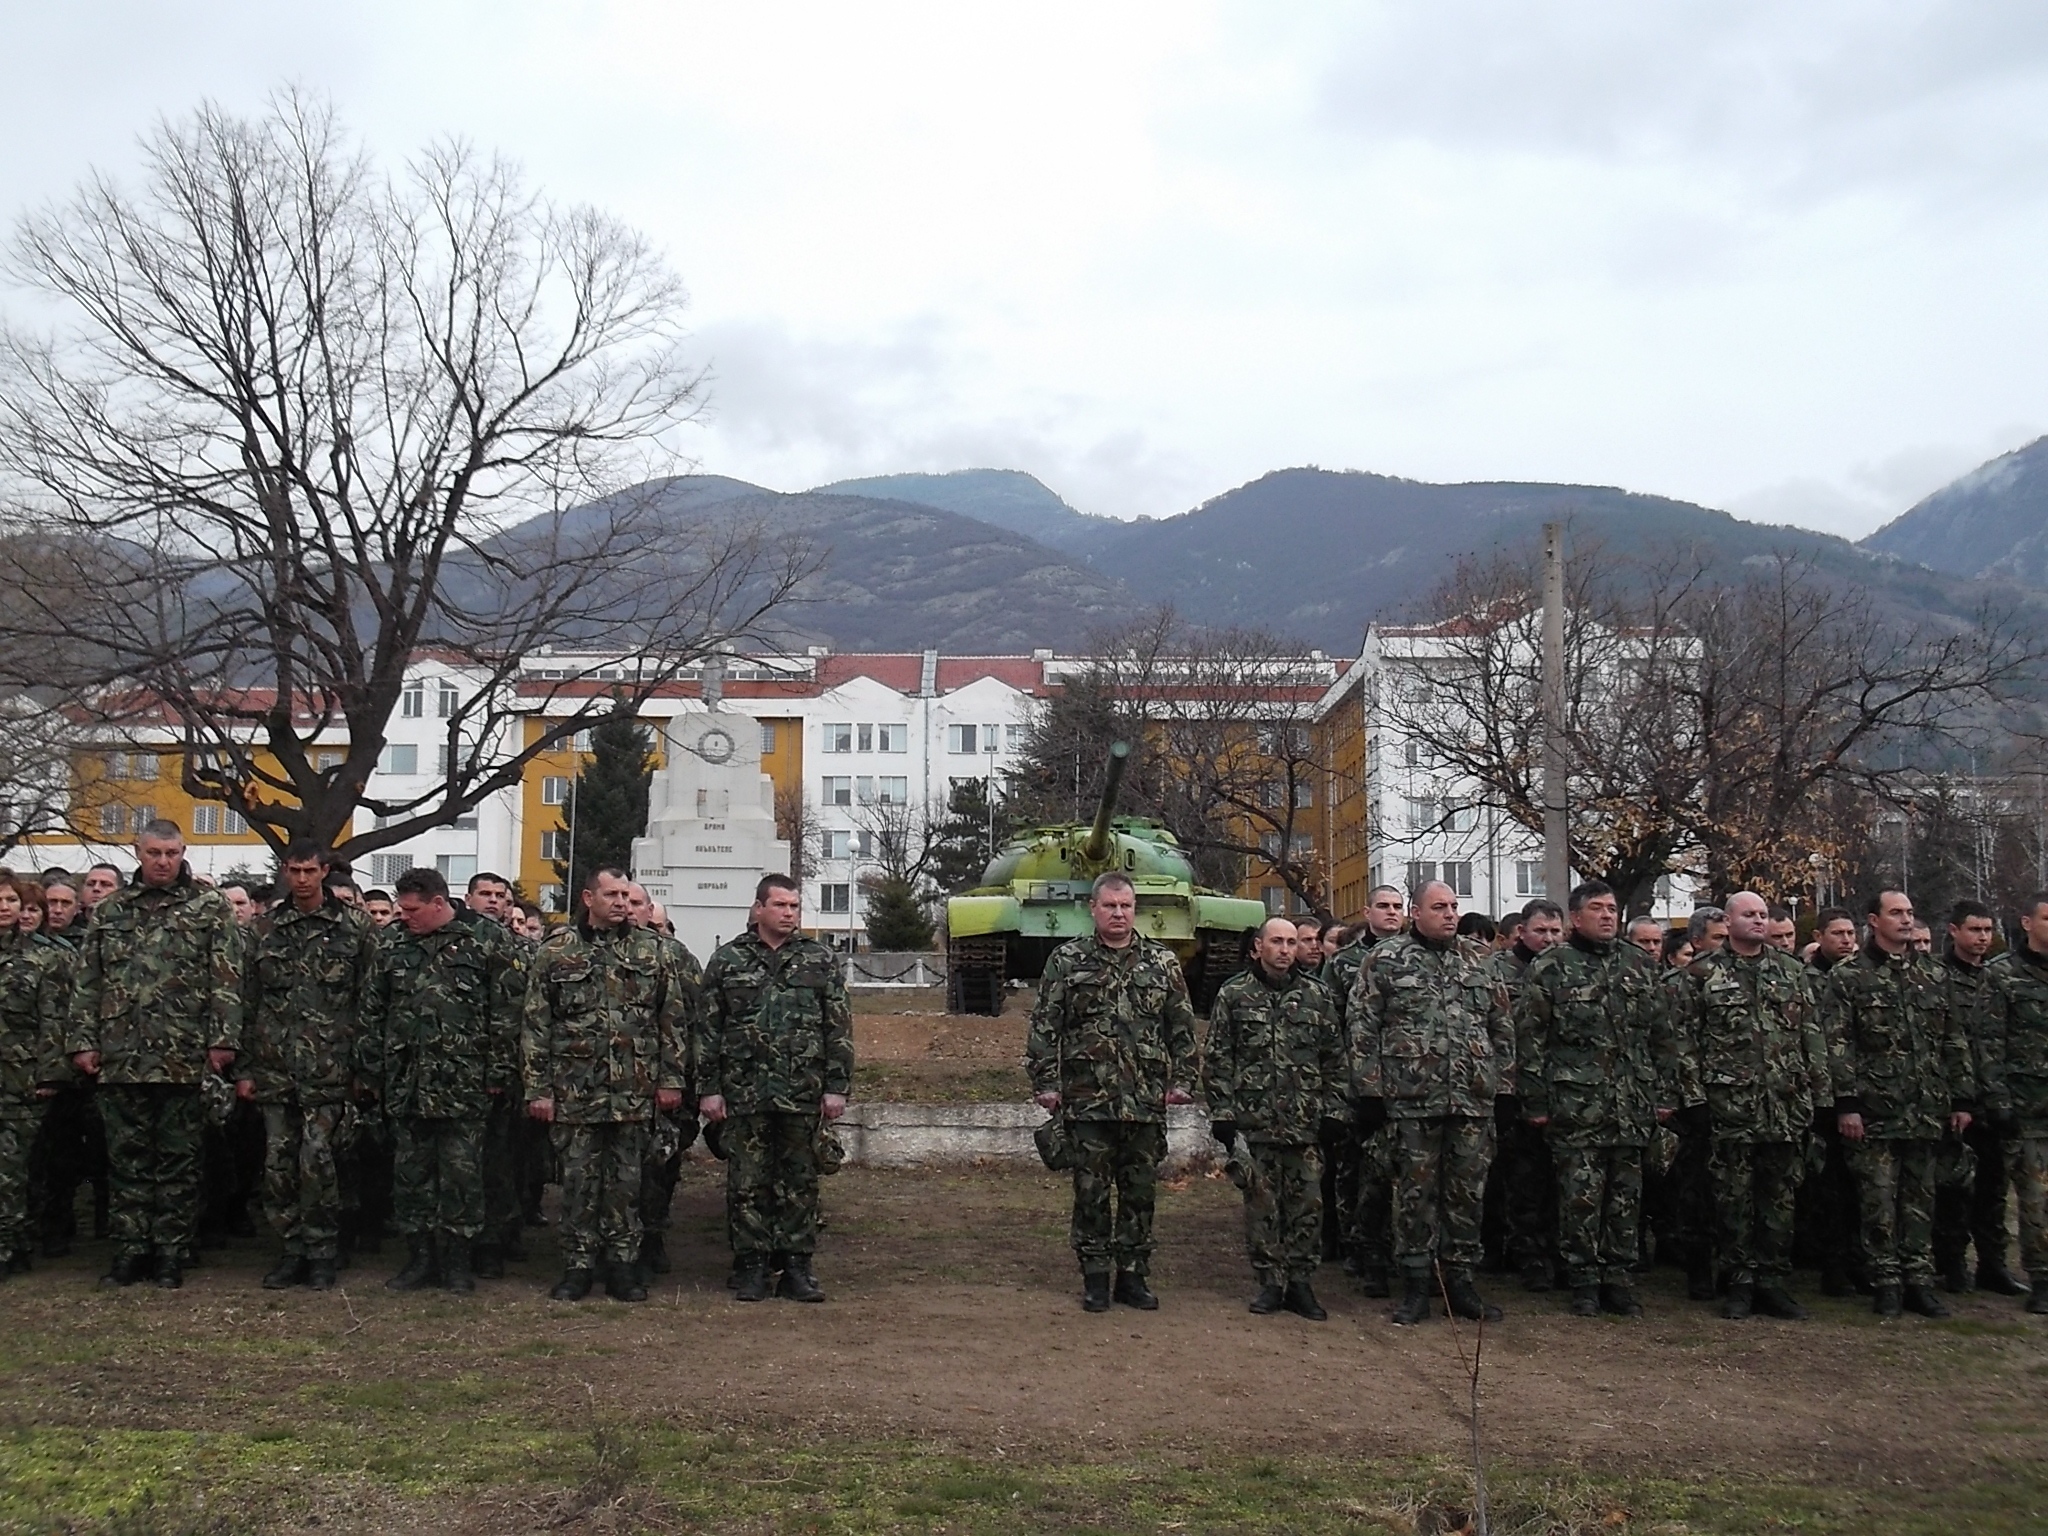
935, 1135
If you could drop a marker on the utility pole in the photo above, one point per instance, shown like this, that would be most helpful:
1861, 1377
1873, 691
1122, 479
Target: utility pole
1557, 861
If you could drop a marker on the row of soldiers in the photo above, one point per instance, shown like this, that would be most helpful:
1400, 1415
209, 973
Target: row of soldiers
1416, 1067
445, 1028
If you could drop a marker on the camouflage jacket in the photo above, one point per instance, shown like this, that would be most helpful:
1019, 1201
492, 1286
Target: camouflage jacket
441, 1029
1431, 1032
1895, 1053
1969, 1000
1340, 971
309, 977
1754, 1045
607, 1011
35, 985
1112, 1030
1595, 1050
776, 1032
157, 983
2014, 1039
1274, 1060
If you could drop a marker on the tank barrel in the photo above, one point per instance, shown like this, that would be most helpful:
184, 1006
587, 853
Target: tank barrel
1096, 849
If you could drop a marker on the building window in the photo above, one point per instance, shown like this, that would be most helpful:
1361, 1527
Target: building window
553, 898
412, 703
864, 844
117, 765
989, 733
142, 766
1303, 846
385, 868
837, 791
580, 742
892, 738
863, 790
1420, 873
1529, 878
960, 738
400, 758
447, 700
1423, 815
1411, 755
141, 817
835, 898
838, 845
327, 762
895, 791
554, 847
767, 737
838, 736
1275, 898
1269, 844
867, 738
455, 868
1304, 794
466, 822
217, 821
554, 790
1014, 735
1457, 874
113, 820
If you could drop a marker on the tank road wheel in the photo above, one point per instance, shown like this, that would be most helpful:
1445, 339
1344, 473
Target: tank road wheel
974, 976
1222, 956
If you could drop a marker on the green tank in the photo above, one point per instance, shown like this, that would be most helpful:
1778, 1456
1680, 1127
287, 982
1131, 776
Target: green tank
1034, 896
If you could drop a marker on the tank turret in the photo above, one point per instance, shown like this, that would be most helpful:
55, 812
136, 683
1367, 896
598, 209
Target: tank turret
1096, 849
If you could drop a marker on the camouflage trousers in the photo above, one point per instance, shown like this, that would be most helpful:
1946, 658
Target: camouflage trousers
1599, 1212
154, 1135
1969, 1197
1521, 1189
1439, 1178
1371, 1227
1283, 1212
1693, 1206
602, 1168
1829, 1228
1756, 1189
1895, 1194
301, 1177
1338, 1190
502, 1213
18, 1121
437, 1176
71, 1149
1117, 1158
2027, 1160
658, 1174
771, 1184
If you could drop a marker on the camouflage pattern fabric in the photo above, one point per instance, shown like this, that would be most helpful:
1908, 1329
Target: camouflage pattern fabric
17, 1135
441, 1027
673, 1133
308, 979
602, 1164
1283, 1211
2013, 1042
1439, 1179
1430, 1031
1273, 1061
1520, 1218
437, 1177
1355, 1192
2027, 1162
1599, 1211
777, 1031
1112, 1030
301, 1175
1970, 1198
154, 1135
771, 1184
1371, 1228
1116, 1185
157, 984
1756, 1185
1756, 1053
1895, 1193
33, 994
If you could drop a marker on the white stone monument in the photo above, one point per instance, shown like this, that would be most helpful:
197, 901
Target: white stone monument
710, 823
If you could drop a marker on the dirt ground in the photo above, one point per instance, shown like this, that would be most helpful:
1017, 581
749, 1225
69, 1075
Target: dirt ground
908, 1048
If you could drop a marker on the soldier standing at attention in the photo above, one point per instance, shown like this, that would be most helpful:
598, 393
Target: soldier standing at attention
507, 1132
1433, 1047
1685, 1203
1596, 1067
1112, 1043
439, 1036
1521, 1185
1308, 946
156, 1003
1756, 1056
774, 1061
1970, 1184
1647, 934
2015, 1090
33, 994
674, 1126
311, 965
1273, 1073
602, 1048
1901, 1071
1357, 1206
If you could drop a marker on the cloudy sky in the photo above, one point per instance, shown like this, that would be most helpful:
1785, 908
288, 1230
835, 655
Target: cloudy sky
1784, 259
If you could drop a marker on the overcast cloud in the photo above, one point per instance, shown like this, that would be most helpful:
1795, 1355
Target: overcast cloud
1782, 259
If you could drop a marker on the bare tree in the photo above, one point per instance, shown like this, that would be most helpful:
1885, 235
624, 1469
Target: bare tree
796, 824
39, 742
301, 421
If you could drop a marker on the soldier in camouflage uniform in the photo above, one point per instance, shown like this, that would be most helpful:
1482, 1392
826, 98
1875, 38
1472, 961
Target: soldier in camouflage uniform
1433, 1048
673, 1131
156, 1003
774, 1063
1827, 1227
606, 1009
1970, 1187
440, 1038
311, 964
1901, 1074
487, 904
1597, 1065
1521, 1186
1357, 1173
1682, 1201
1112, 1043
1274, 1072
1756, 1071
2015, 1087
34, 986
71, 1147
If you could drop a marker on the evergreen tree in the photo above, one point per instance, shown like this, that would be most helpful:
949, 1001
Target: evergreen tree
897, 920
969, 836
608, 800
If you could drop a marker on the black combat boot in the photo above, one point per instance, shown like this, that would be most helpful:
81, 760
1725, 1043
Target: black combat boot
1132, 1291
622, 1281
1585, 1301
1954, 1273
1268, 1300
1740, 1301
290, 1271
654, 1254
1699, 1277
170, 1271
798, 1283
126, 1269
18, 1262
322, 1274
1372, 1280
1888, 1300
1416, 1305
574, 1285
1464, 1300
456, 1273
1301, 1301
1773, 1300
2037, 1300
513, 1249
751, 1282
1094, 1291
488, 1262
1923, 1300
1994, 1279
1620, 1300
420, 1270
